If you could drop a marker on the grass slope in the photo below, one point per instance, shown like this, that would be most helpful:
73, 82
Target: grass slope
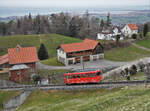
51, 41
121, 99
6, 95
126, 54
52, 62
145, 43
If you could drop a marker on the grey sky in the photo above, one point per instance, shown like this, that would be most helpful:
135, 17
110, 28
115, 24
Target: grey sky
71, 3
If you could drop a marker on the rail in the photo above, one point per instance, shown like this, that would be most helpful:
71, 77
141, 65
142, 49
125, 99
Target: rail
79, 86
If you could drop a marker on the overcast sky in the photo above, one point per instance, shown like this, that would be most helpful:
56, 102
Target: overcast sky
71, 3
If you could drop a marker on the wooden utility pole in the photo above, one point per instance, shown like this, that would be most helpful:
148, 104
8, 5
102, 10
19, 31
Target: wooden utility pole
82, 62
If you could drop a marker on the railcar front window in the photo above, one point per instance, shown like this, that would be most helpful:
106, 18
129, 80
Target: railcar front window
98, 73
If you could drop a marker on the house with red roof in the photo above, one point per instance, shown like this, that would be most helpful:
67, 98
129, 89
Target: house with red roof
22, 63
129, 30
88, 50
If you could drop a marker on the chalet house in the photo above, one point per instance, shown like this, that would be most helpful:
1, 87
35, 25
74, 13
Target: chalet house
88, 50
109, 33
22, 63
129, 30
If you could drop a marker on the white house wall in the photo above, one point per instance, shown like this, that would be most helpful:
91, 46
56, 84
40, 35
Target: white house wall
128, 32
61, 56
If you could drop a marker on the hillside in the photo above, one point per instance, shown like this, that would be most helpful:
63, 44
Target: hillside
120, 99
126, 54
51, 41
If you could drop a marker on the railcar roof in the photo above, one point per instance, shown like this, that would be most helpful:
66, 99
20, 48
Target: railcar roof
85, 70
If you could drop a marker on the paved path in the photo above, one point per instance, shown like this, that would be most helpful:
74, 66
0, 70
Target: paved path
140, 47
101, 64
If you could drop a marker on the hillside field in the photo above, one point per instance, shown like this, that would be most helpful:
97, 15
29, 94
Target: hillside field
51, 41
120, 99
126, 54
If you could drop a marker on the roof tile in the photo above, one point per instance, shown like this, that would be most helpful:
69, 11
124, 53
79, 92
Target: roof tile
87, 44
133, 26
22, 55
4, 59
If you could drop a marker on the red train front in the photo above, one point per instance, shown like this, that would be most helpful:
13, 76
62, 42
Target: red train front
84, 76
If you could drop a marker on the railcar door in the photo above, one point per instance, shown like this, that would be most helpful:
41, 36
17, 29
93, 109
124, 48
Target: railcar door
98, 76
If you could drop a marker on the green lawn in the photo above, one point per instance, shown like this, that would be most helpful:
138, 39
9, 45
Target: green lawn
51, 41
126, 54
52, 62
144, 43
121, 99
139, 76
6, 95
45, 73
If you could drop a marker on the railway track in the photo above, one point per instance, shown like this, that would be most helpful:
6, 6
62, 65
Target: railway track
74, 87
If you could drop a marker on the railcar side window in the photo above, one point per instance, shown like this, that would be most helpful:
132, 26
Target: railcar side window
74, 76
88, 75
79, 76
69, 77
92, 75
83, 75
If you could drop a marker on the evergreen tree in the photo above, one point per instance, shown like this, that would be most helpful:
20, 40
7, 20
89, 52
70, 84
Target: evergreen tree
145, 31
102, 24
42, 53
18, 24
108, 22
30, 16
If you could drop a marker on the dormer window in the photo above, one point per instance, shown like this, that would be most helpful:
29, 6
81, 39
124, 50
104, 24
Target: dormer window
18, 48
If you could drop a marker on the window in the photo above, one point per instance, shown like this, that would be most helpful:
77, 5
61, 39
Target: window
79, 76
92, 75
18, 73
74, 76
32, 70
88, 75
98, 73
68, 77
83, 75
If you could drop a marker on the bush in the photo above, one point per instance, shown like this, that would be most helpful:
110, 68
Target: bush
134, 36
36, 78
133, 70
42, 53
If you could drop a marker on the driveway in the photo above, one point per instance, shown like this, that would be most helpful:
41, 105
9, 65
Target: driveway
101, 64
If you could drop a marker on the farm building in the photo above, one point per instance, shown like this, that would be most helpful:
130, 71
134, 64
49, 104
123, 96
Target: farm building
109, 33
129, 30
88, 50
22, 63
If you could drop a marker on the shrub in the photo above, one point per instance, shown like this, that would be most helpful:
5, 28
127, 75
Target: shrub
36, 78
133, 70
42, 53
134, 36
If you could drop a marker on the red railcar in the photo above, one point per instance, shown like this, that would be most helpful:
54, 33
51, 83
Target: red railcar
84, 76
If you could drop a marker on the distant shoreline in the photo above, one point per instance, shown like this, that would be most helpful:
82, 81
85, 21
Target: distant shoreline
18, 11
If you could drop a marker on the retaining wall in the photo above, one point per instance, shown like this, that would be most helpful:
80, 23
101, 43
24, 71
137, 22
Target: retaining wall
15, 102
